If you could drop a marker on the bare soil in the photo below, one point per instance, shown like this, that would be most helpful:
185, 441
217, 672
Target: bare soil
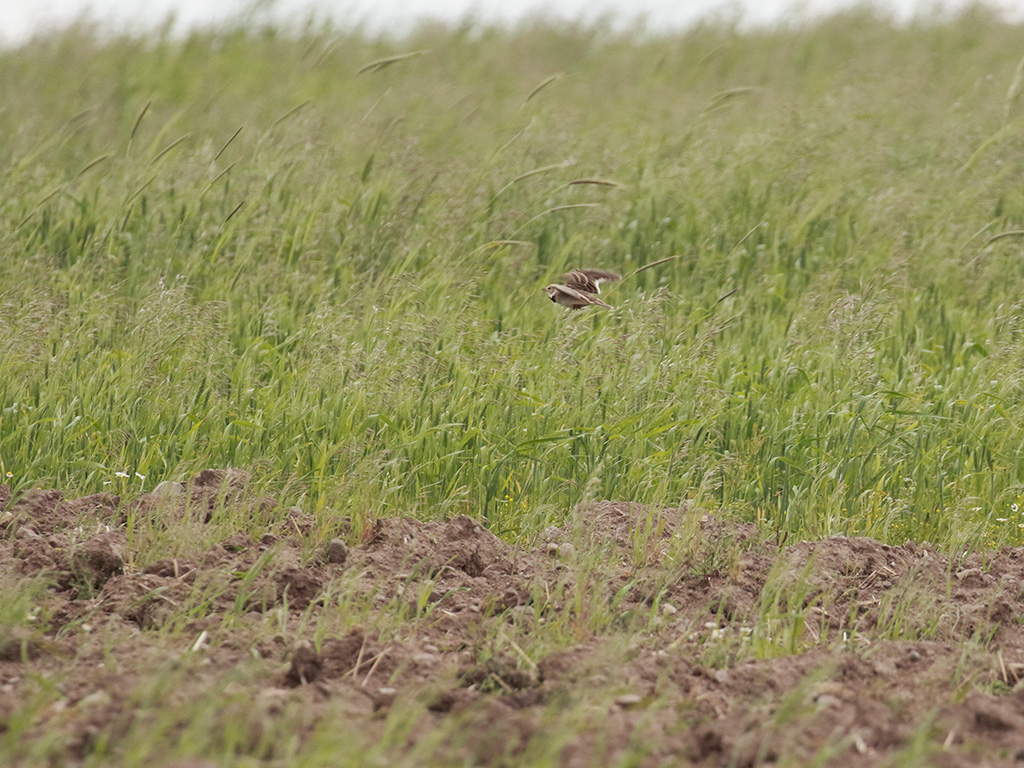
633, 635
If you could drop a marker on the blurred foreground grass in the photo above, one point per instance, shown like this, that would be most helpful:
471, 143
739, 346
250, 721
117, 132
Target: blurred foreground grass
320, 258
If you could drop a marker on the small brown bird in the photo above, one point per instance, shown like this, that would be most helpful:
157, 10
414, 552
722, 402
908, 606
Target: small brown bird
581, 288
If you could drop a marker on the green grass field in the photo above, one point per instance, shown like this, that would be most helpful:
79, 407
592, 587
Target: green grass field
320, 257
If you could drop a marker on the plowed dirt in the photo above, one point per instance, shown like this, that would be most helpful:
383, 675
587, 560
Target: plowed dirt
633, 635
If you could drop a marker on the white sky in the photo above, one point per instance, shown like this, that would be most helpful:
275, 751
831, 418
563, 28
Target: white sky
19, 19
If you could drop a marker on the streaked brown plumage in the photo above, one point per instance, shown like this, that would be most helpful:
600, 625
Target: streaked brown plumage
581, 288
573, 299
589, 280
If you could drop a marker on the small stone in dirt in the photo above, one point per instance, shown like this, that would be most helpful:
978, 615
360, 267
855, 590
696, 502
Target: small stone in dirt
26, 532
628, 700
914, 655
169, 489
383, 697
306, 665
827, 700
667, 609
98, 698
975, 576
859, 744
337, 551
566, 550
552, 549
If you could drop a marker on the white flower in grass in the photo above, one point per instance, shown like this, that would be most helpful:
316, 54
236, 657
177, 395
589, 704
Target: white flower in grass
141, 477
120, 474
1014, 507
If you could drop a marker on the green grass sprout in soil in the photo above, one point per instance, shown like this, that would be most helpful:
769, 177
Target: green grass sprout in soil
318, 257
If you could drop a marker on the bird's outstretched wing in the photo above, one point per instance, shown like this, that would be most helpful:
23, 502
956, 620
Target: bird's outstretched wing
589, 280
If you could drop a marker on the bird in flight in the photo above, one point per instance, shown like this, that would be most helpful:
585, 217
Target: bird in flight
581, 288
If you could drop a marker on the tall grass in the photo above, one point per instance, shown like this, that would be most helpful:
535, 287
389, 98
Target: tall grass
315, 257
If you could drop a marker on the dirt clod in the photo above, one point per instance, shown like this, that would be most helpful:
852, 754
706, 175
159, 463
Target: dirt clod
300, 585
99, 558
305, 666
